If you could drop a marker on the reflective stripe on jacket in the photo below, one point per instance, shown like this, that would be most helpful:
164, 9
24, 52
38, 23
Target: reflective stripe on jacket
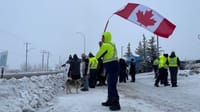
162, 62
173, 62
108, 50
93, 62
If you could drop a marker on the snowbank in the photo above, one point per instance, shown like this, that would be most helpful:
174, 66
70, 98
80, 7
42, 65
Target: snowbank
36, 93
29, 94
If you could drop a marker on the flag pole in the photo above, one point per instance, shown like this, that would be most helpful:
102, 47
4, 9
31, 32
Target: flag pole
105, 28
107, 23
157, 46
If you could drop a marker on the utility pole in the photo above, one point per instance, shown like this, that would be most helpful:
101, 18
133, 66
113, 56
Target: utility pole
48, 61
60, 62
27, 50
84, 40
43, 52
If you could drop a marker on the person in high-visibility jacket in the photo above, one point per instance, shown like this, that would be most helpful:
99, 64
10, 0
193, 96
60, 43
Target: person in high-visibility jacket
108, 52
93, 62
163, 73
155, 66
174, 63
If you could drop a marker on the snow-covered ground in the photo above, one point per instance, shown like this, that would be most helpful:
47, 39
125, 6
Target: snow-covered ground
46, 94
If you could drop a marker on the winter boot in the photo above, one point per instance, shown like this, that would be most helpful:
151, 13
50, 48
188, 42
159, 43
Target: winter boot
156, 85
167, 84
115, 106
174, 85
107, 103
84, 89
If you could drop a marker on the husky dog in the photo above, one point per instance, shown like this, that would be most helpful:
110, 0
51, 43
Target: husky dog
73, 83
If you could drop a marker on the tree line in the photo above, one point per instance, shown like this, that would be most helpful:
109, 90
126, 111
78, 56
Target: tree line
147, 50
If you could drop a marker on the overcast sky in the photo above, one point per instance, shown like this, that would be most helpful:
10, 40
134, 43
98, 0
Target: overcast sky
52, 25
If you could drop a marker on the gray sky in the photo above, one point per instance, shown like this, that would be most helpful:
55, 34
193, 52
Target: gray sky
52, 25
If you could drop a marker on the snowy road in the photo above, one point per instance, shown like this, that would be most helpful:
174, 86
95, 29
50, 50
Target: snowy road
181, 99
141, 96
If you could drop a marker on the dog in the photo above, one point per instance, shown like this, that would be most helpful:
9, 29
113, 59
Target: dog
73, 83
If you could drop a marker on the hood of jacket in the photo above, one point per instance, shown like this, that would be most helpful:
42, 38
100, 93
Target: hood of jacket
107, 37
172, 55
161, 57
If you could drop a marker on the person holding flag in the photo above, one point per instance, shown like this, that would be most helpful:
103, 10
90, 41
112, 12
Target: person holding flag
108, 52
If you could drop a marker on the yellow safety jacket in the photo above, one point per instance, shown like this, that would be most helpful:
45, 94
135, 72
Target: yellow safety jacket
162, 61
173, 62
156, 62
93, 62
108, 50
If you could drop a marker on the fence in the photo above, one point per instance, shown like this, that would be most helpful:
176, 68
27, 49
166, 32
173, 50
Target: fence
29, 74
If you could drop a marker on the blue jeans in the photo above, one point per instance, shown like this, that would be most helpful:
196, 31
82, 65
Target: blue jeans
85, 81
112, 69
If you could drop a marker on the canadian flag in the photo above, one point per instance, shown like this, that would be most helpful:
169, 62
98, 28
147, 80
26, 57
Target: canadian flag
147, 18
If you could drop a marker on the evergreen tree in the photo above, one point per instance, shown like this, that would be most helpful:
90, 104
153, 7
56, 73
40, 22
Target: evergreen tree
128, 53
151, 52
141, 51
151, 49
147, 50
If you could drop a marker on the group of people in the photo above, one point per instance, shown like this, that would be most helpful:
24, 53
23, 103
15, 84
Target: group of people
161, 66
87, 67
125, 70
105, 64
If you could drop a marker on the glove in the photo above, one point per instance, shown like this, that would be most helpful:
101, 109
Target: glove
63, 65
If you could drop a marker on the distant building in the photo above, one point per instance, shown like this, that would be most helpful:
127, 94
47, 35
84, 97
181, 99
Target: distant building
3, 58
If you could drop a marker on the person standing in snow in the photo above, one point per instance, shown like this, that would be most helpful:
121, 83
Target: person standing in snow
93, 62
2, 72
163, 73
68, 62
165, 78
174, 63
84, 68
155, 66
108, 52
132, 70
122, 70
75, 68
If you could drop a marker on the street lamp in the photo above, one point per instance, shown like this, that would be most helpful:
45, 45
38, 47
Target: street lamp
84, 40
122, 51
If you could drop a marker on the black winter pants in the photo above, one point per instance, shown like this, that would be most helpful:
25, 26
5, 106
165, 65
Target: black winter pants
112, 69
173, 74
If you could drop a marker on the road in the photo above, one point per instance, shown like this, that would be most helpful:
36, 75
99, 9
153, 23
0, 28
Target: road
140, 96
166, 99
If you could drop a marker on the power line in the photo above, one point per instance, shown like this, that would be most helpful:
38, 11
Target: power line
27, 50
43, 59
48, 60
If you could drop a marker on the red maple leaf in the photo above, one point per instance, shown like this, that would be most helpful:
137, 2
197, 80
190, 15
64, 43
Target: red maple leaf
145, 18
